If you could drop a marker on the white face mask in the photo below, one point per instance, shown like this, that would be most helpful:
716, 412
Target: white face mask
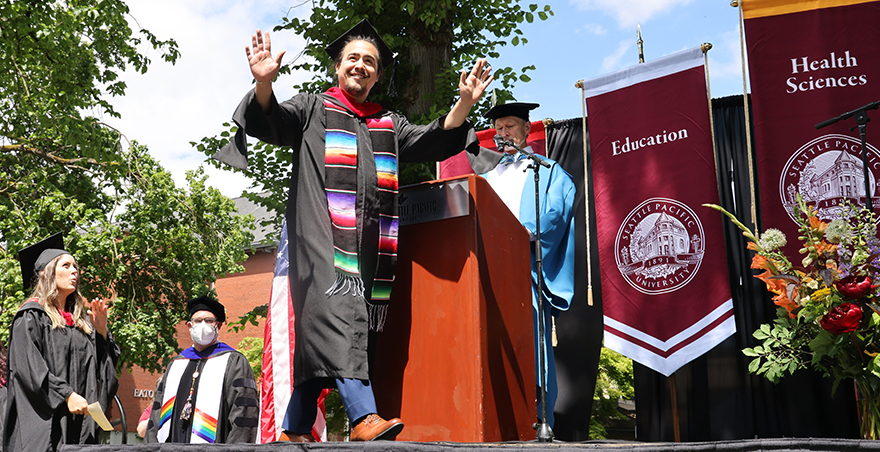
203, 334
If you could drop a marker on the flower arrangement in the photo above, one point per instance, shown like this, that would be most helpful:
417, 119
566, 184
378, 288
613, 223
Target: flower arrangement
827, 317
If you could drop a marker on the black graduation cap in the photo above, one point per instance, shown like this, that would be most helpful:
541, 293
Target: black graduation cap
518, 109
363, 28
34, 258
206, 303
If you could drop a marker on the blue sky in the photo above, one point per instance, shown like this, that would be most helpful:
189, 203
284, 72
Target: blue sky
589, 38
172, 105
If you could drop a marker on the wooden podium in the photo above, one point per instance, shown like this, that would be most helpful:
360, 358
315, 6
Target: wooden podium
456, 358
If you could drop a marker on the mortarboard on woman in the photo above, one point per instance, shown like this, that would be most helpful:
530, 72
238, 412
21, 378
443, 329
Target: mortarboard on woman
61, 355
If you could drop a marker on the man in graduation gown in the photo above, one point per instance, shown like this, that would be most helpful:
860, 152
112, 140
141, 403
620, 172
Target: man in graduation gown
208, 393
514, 181
342, 212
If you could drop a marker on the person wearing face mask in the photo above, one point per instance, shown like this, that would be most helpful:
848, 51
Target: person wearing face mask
208, 393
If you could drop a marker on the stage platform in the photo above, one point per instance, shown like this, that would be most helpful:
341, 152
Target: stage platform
774, 444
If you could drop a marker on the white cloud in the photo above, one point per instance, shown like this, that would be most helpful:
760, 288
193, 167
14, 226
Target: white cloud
593, 29
725, 65
171, 105
613, 62
628, 12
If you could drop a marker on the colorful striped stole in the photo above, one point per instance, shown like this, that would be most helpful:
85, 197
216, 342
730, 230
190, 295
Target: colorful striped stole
207, 404
341, 165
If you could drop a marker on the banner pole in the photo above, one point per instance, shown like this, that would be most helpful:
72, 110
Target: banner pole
742, 49
580, 84
705, 47
673, 396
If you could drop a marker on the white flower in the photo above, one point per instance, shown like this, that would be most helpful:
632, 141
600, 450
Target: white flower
837, 230
772, 239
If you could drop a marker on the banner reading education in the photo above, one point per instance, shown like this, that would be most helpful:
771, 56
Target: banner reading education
665, 289
809, 62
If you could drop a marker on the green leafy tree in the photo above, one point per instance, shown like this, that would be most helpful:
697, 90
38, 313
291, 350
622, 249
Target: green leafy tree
434, 40
140, 240
615, 382
252, 349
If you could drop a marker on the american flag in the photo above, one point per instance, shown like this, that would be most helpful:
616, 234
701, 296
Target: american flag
279, 339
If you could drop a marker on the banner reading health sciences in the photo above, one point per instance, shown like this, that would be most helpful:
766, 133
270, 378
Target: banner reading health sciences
809, 62
665, 291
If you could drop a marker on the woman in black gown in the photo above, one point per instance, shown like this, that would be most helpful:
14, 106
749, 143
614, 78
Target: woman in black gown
61, 357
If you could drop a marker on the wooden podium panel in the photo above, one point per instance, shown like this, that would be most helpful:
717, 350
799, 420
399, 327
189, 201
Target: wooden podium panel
456, 358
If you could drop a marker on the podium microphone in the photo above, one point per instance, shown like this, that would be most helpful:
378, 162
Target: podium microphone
500, 143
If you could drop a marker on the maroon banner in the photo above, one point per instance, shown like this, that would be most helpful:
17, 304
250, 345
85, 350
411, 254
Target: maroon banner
665, 290
807, 66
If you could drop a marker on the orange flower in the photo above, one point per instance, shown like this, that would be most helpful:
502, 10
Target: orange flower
774, 285
759, 262
816, 223
777, 286
825, 247
790, 306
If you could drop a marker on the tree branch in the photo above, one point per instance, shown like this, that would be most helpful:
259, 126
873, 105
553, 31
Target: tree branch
45, 155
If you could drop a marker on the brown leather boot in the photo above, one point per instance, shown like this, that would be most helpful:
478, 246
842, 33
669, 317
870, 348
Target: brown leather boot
296, 438
374, 428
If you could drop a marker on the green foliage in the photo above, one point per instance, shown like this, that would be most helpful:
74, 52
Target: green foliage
140, 241
827, 318
337, 421
59, 60
614, 382
453, 34
783, 348
434, 39
252, 349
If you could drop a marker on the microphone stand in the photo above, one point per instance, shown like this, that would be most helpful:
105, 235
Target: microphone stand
544, 432
862, 120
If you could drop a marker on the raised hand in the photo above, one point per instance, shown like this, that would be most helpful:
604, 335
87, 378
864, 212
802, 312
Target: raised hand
98, 316
264, 67
472, 86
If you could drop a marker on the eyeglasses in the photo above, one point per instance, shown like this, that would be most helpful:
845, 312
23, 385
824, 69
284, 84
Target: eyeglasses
210, 322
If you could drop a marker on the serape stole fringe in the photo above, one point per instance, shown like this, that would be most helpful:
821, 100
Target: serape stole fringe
341, 165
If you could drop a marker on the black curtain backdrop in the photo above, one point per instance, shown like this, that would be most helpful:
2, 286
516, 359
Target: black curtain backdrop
579, 330
717, 398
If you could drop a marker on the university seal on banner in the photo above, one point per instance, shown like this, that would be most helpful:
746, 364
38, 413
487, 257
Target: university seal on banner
660, 246
828, 171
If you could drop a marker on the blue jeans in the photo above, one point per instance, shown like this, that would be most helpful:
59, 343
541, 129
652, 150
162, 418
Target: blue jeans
357, 398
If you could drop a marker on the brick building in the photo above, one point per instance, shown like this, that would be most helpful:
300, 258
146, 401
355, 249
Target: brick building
239, 293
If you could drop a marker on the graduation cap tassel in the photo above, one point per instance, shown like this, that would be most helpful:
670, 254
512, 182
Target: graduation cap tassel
392, 80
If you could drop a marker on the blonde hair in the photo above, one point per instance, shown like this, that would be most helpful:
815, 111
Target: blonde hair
46, 293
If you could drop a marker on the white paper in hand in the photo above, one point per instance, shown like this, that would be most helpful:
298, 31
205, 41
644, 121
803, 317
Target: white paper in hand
99, 417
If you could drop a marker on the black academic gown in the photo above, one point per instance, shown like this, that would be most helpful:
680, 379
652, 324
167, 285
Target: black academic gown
46, 365
239, 410
332, 332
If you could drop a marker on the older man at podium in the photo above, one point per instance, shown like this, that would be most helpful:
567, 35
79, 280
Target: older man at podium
514, 181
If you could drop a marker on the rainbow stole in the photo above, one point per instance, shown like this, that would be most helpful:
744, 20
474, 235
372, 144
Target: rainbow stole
207, 403
341, 185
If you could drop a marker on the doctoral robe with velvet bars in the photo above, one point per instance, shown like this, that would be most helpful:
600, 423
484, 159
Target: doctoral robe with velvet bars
332, 331
232, 407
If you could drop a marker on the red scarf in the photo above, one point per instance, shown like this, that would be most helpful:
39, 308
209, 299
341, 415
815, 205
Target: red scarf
362, 109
